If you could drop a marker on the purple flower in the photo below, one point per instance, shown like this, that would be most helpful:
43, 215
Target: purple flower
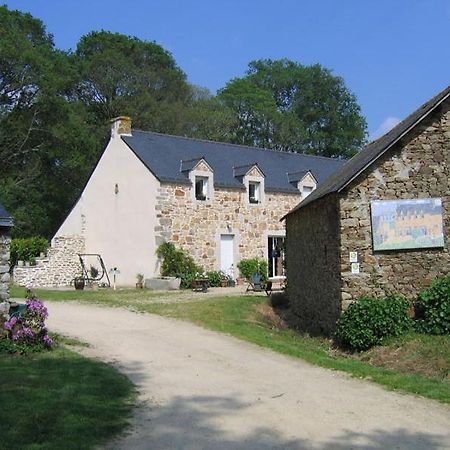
9, 324
23, 334
48, 341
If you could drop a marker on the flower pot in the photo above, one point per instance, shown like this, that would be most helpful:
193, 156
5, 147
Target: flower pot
79, 283
223, 283
139, 285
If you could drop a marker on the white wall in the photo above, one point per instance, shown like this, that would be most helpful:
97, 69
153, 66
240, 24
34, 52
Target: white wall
118, 226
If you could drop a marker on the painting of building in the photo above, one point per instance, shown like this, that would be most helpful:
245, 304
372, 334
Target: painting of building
407, 224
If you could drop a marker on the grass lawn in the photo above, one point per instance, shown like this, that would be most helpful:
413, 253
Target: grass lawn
121, 297
415, 363
61, 400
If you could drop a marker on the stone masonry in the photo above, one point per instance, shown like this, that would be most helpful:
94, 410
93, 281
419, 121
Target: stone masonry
418, 168
321, 284
4, 264
313, 265
58, 269
196, 226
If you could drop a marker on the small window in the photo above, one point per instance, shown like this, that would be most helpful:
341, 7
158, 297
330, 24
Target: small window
254, 192
306, 190
201, 188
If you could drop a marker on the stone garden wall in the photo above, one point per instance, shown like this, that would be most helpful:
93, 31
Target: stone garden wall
57, 269
417, 168
196, 226
4, 264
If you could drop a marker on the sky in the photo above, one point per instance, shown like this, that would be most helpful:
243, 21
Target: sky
394, 55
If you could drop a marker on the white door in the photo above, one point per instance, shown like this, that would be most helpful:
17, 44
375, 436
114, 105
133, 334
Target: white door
226, 253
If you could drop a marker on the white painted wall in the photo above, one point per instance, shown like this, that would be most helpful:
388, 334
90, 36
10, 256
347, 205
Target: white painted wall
118, 226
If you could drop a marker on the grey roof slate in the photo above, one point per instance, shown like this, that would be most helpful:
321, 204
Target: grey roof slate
241, 171
163, 154
371, 152
5, 217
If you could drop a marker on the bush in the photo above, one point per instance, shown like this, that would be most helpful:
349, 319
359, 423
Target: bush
248, 267
369, 321
27, 332
215, 278
177, 263
26, 249
434, 307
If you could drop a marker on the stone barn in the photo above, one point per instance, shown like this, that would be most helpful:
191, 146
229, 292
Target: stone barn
379, 225
5, 227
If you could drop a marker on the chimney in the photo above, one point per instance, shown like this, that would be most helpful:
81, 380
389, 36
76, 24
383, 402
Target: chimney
120, 126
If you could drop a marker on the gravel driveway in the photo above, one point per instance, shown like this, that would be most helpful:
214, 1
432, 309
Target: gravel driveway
202, 390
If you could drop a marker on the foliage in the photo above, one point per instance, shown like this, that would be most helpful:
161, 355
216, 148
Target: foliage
284, 105
55, 107
248, 267
177, 263
140, 277
124, 75
26, 249
27, 331
370, 321
434, 307
215, 278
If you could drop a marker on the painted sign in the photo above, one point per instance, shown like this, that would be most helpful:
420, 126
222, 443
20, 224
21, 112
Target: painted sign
407, 224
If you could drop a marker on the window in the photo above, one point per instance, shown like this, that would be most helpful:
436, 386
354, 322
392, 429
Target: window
201, 188
306, 190
254, 192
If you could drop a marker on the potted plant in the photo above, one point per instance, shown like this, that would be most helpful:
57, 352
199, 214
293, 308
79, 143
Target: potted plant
139, 281
79, 283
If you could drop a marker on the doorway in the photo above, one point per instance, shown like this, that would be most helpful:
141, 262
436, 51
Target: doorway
227, 253
275, 252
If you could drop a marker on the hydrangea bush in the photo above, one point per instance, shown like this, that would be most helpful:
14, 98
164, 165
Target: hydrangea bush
28, 332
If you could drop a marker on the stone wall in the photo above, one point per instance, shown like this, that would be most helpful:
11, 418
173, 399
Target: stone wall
58, 269
416, 168
196, 226
4, 264
312, 265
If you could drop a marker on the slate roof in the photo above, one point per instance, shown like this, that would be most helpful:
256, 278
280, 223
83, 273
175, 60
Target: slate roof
371, 152
163, 154
5, 217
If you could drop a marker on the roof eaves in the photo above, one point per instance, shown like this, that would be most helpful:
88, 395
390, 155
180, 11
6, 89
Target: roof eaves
396, 139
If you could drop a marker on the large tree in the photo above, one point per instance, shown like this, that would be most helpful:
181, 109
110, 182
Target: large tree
287, 106
45, 146
121, 75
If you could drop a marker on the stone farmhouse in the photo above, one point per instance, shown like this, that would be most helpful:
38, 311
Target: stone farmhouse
332, 239
6, 223
219, 202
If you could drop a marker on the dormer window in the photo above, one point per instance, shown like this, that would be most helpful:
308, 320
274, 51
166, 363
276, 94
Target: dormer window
252, 177
254, 192
201, 175
201, 188
306, 190
304, 180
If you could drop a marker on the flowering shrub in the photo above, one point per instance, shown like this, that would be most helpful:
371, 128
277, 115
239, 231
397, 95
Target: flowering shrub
28, 330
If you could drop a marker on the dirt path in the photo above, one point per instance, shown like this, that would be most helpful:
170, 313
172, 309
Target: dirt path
202, 390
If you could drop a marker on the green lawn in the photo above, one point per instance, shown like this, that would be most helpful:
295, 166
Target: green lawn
121, 297
240, 317
60, 400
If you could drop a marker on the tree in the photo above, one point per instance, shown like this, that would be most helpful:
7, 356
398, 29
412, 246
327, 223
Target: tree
119, 75
287, 106
45, 148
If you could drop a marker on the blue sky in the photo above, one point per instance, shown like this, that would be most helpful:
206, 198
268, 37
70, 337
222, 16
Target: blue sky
393, 54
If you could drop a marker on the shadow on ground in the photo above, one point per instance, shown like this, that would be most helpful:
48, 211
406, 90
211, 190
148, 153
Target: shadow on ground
211, 423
